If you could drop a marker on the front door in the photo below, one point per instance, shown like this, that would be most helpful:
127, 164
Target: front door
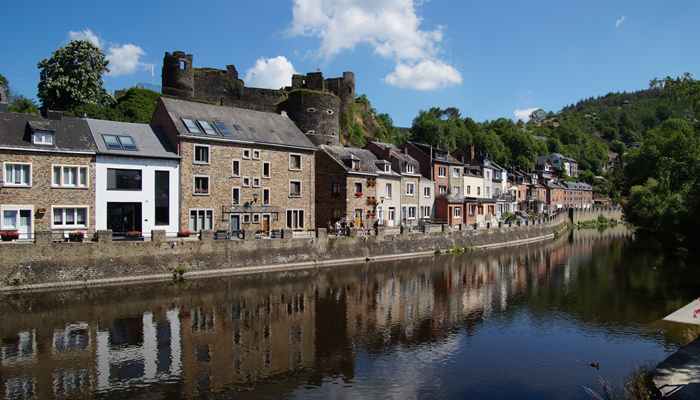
265, 224
24, 225
358, 218
123, 218
235, 224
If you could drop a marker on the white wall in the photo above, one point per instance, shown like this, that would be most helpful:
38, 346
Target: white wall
146, 196
473, 182
384, 202
426, 201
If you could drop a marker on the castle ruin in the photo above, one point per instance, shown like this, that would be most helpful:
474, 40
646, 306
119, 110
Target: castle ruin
315, 104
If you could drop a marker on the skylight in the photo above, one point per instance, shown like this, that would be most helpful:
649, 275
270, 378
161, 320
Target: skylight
191, 126
206, 126
119, 142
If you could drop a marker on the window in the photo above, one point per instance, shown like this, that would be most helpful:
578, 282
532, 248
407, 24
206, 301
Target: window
43, 138
488, 174
442, 172
246, 181
355, 164
207, 128
456, 189
457, 212
246, 218
69, 176
455, 172
295, 219
425, 212
410, 169
295, 162
388, 190
236, 168
469, 190
201, 185
266, 197
358, 188
162, 192
201, 220
294, 188
69, 217
256, 218
236, 196
256, 154
116, 142
442, 189
335, 188
17, 174
191, 126
426, 191
410, 189
246, 154
266, 170
412, 212
123, 179
488, 191
201, 154
256, 182
478, 190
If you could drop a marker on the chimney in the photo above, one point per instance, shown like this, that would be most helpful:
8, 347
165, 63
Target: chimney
52, 114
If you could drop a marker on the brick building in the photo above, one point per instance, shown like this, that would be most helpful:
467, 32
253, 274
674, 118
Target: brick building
241, 170
578, 195
47, 175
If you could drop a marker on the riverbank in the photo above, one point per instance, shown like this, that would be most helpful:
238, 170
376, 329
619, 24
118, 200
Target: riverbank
42, 266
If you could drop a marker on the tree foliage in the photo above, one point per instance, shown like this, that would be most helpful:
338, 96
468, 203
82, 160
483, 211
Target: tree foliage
21, 104
135, 105
72, 77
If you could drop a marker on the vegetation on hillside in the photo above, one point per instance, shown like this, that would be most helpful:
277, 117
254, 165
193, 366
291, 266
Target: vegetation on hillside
361, 122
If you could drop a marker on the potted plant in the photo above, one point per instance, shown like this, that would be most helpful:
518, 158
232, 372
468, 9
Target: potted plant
358, 194
8, 236
134, 235
184, 233
76, 236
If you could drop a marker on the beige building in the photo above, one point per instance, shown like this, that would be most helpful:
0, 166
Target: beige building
241, 170
47, 176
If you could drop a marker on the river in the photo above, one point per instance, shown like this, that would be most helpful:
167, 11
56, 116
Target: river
522, 323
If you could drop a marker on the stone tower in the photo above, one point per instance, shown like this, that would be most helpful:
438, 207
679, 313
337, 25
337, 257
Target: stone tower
316, 113
178, 75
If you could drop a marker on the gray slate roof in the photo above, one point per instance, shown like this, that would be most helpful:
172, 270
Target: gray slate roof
397, 152
578, 186
368, 161
148, 144
70, 134
247, 126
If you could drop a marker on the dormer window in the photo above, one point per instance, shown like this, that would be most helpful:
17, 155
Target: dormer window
355, 164
409, 169
387, 167
43, 138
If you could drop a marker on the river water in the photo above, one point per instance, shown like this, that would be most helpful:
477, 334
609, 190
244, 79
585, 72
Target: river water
521, 323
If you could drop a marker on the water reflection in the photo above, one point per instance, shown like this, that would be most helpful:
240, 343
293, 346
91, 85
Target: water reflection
299, 334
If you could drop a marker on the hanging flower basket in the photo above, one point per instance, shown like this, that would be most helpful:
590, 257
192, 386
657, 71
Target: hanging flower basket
8, 236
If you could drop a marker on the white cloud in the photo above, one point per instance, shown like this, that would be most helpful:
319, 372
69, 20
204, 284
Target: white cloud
86, 34
272, 73
524, 114
620, 21
391, 27
124, 59
424, 75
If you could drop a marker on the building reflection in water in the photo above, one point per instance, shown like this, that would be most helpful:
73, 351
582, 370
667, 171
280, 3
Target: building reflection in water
229, 334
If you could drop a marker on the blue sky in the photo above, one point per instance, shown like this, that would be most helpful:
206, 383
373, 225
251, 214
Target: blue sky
489, 59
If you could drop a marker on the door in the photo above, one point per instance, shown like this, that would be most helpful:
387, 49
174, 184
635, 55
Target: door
392, 216
358, 218
123, 218
24, 225
235, 224
265, 224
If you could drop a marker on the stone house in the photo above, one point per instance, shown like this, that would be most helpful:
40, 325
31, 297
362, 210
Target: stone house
409, 170
48, 173
241, 170
346, 186
578, 195
137, 179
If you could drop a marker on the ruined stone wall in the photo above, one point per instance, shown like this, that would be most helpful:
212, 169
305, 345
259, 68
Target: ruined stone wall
316, 114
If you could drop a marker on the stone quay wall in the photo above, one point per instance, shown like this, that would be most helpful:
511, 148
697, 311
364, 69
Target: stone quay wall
591, 214
45, 264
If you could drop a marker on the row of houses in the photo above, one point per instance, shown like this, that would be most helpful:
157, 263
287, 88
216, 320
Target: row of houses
200, 167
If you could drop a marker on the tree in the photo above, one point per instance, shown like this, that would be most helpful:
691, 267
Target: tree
137, 105
21, 104
72, 77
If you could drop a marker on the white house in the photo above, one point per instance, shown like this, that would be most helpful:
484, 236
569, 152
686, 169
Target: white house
426, 201
136, 179
388, 195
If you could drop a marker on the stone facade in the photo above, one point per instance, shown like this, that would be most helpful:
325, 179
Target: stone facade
361, 208
41, 196
410, 201
316, 114
222, 181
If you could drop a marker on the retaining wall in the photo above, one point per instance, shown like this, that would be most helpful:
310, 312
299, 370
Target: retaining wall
45, 264
582, 215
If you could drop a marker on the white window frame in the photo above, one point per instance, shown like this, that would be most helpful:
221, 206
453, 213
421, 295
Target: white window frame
240, 193
442, 172
256, 183
457, 212
246, 219
269, 170
256, 218
300, 221
411, 192
301, 161
256, 154
410, 169
43, 134
233, 172
63, 184
427, 192
198, 210
4, 174
411, 210
17, 208
455, 173
194, 185
244, 180
388, 189
68, 227
194, 154
301, 188
244, 152
269, 196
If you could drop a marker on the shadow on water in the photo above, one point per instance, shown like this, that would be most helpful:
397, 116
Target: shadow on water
522, 323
